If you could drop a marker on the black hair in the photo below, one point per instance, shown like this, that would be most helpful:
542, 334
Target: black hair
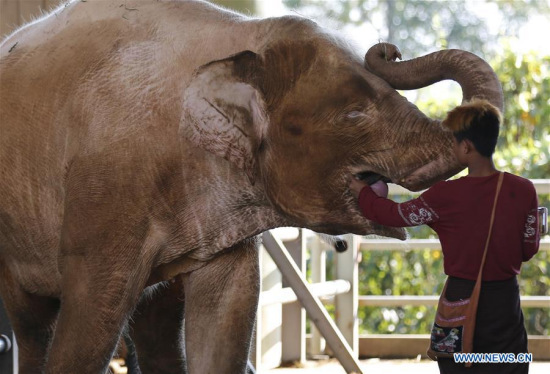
483, 133
477, 121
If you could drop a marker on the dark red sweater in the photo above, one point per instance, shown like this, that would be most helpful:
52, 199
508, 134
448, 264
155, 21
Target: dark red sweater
459, 211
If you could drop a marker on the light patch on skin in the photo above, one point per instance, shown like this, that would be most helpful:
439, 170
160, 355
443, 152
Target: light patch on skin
224, 116
156, 238
140, 87
217, 128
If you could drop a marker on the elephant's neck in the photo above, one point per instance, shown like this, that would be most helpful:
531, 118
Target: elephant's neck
231, 225
220, 217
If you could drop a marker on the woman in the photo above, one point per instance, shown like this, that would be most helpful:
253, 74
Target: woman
459, 211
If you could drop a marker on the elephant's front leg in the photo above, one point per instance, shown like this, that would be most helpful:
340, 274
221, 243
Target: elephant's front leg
221, 300
96, 301
102, 277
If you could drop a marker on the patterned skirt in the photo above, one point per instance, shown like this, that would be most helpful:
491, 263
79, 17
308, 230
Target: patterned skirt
499, 325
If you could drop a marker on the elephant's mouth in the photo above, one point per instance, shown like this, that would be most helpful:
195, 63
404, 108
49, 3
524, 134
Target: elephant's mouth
371, 177
381, 189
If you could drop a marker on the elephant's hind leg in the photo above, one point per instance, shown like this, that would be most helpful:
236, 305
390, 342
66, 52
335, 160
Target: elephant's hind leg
221, 299
156, 328
33, 320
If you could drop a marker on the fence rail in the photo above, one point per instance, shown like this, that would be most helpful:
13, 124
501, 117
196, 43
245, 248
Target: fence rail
541, 185
321, 290
413, 244
395, 301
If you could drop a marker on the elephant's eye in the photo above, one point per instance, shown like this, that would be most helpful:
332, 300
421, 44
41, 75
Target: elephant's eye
354, 114
351, 117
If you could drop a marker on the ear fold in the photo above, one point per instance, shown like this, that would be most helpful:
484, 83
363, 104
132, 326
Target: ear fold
224, 113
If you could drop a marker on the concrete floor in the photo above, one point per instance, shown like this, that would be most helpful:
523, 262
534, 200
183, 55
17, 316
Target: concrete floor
377, 366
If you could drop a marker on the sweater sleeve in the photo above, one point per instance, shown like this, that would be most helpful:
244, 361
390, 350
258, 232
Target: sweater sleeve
389, 213
531, 234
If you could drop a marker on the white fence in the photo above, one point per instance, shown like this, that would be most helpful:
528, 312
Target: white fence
281, 321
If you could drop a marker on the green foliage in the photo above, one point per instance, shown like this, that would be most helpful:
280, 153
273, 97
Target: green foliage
524, 144
248, 7
424, 25
419, 272
524, 141
399, 273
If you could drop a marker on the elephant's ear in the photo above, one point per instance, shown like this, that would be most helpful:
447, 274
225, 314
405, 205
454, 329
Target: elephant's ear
224, 113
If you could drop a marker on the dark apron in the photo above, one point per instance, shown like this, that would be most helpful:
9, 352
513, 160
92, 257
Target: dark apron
499, 325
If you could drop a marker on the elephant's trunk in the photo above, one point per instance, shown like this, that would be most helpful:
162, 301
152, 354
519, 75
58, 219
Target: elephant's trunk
425, 164
475, 76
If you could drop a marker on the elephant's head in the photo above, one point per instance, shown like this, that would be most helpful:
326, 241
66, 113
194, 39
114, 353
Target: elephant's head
301, 116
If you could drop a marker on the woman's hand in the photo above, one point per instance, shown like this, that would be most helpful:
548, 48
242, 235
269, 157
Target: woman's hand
356, 186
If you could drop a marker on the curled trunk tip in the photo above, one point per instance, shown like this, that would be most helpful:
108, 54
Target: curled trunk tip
475, 76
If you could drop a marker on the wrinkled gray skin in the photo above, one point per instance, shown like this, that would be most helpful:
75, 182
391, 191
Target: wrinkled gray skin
153, 141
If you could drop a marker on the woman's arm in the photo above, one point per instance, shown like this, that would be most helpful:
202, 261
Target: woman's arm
387, 212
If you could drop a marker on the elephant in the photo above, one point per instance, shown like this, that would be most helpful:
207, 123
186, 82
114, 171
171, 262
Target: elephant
145, 146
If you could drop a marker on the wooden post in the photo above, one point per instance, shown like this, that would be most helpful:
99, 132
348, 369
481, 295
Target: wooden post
346, 304
267, 348
318, 275
294, 316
